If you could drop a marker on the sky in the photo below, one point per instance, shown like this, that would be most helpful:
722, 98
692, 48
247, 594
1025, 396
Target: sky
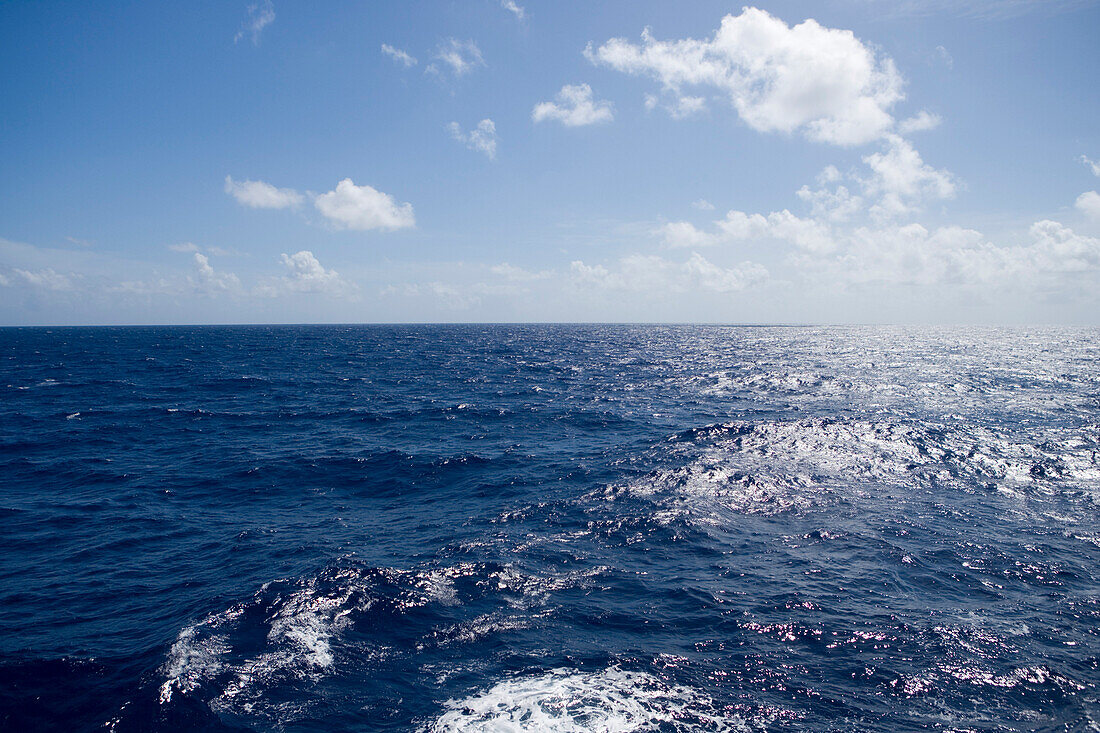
270, 161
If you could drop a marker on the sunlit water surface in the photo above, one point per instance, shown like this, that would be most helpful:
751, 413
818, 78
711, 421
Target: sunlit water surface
549, 528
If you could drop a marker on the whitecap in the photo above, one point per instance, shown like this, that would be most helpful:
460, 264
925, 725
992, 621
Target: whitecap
612, 700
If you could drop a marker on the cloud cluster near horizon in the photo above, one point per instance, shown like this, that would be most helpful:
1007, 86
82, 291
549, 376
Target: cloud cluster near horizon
876, 218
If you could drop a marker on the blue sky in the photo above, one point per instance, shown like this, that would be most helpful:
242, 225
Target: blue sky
914, 161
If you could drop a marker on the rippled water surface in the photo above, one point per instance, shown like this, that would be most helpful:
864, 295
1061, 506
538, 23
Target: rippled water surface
434, 528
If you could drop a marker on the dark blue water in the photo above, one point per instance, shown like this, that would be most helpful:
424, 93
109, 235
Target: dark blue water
549, 528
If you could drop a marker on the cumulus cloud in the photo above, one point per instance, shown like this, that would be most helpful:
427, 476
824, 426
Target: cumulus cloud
461, 57
1093, 165
574, 107
702, 205
305, 274
363, 207
260, 16
653, 274
822, 81
398, 55
260, 195
513, 8
914, 255
835, 205
1088, 203
210, 280
835, 247
482, 138
923, 120
806, 234
903, 181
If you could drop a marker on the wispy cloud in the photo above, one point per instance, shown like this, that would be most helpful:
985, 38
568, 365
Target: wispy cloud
47, 278
260, 16
460, 57
513, 8
398, 55
482, 138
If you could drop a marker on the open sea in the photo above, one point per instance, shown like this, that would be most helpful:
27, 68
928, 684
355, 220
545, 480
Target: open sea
560, 528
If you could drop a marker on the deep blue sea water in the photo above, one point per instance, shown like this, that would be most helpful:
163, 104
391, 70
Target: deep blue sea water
549, 528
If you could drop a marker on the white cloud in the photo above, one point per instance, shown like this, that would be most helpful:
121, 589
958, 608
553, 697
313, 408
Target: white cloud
260, 16
805, 234
835, 205
363, 207
657, 276
513, 8
260, 195
1088, 203
1058, 248
1093, 165
518, 274
914, 255
192, 247
210, 280
702, 205
461, 56
902, 180
822, 81
687, 235
687, 106
398, 55
574, 107
305, 274
678, 107
482, 138
47, 278
4, 281
717, 279
923, 120
828, 251
943, 56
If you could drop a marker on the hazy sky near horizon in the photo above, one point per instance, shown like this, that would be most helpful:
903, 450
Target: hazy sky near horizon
914, 161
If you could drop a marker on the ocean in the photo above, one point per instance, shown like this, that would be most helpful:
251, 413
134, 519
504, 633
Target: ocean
561, 528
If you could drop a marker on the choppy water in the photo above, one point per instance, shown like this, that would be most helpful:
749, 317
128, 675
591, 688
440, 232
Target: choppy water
551, 528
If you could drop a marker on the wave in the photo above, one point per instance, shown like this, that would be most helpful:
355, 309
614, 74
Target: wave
567, 700
265, 657
776, 467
